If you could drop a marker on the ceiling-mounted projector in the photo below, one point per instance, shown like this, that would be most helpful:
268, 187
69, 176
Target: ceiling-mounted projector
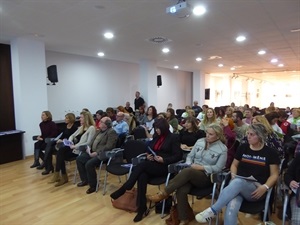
180, 10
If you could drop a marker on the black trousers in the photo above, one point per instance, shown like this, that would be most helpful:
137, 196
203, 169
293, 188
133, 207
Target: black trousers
63, 153
141, 174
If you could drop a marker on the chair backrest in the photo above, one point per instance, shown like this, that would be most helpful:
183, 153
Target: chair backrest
133, 148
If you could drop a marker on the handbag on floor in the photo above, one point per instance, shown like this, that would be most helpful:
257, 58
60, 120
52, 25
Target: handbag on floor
173, 219
127, 202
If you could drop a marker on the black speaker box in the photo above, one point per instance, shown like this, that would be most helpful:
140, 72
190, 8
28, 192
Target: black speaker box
207, 94
159, 82
52, 73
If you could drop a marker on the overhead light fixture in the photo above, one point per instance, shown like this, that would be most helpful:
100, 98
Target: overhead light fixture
165, 50
176, 67
198, 59
220, 65
232, 68
108, 35
199, 10
261, 52
274, 60
101, 54
280, 65
240, 38
295, 30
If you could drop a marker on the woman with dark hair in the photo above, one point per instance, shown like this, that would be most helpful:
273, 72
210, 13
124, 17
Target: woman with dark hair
272, 118
99, 115
190, 134
48, 130
253, 159
148, 120
220, 114
167, 148
172, 120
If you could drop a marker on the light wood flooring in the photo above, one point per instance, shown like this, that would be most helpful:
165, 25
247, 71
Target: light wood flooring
26, 198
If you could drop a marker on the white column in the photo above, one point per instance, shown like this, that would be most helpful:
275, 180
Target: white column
198, 85
29, 87
147, 82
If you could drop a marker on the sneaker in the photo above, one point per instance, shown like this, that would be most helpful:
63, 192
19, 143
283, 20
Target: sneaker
205, 216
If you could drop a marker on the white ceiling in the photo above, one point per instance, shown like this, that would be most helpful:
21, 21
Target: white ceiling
77, 27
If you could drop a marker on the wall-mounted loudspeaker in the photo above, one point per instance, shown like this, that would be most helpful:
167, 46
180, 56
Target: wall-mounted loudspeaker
52, 74
159, 83
207, 93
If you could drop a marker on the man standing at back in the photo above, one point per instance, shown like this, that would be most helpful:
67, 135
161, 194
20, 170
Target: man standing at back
138, 101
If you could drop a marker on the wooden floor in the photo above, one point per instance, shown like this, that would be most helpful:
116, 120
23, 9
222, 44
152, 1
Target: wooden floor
26, 198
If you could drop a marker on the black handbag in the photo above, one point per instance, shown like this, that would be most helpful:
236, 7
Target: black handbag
168, 205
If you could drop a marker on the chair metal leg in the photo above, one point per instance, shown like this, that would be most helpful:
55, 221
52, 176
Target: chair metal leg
285, 205
75, 175
105, 181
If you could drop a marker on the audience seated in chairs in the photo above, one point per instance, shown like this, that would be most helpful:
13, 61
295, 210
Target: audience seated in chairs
207, 156
67, 132
167, 147
148, 120
253, 159
83, 136
104, 140
48, 130
292, 179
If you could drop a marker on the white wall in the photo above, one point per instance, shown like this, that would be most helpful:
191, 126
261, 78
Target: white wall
87, 82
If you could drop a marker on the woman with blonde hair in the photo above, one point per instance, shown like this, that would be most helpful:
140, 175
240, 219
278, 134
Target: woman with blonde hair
83, 136
208, 156
209, 118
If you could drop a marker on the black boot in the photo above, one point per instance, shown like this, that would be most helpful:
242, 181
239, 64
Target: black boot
40, 167
36, 158
118, 193
48, 170
141, 214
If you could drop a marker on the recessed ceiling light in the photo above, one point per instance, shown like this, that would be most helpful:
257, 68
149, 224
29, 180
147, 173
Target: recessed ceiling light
199, 10
261, 52
274, 60
165, 50
240, 38
101, 54
108, 35
220, 65
232, 68
176, 67
198, 59
280, 65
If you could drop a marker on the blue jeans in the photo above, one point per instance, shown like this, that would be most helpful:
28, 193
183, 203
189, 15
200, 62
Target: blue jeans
232, 196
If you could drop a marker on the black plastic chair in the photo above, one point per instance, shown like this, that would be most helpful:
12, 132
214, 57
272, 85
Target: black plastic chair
120, 161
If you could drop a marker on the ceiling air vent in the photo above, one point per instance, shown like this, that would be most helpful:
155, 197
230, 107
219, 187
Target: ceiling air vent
158, 40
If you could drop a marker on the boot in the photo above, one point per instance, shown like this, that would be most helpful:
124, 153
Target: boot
64, 179
159, 196
40, 167
48, 170
36, 158
54, 178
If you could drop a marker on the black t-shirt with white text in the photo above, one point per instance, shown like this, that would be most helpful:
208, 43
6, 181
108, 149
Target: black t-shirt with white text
256, 163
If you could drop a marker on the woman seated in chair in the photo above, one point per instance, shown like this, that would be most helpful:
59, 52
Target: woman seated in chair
167, 147
209, 118
83, 136
207, 156
253, 159
48, 130
69, 129
292, 179
172, 120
